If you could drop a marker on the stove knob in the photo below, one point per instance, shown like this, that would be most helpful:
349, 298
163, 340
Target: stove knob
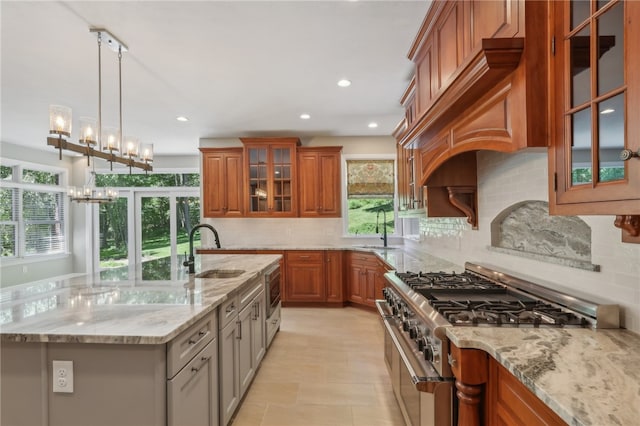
421, 343
406, 324
413, 332
428, 353
394, 309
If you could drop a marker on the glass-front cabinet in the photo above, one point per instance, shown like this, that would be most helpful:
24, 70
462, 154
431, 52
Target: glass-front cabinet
271, 176
594, 163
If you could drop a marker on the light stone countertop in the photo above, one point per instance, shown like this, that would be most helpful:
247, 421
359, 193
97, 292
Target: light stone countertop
587, 377
87, 309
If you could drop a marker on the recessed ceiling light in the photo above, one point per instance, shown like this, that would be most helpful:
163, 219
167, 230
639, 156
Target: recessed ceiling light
607, 111
373, 125
305, 116
344, 83
182, 118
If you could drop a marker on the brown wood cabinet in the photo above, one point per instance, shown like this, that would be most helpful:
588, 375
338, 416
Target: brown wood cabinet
334, 276
364, 278
271, 184
222, 182
319, 178
488, 394
480, 84
594, 157
305, 280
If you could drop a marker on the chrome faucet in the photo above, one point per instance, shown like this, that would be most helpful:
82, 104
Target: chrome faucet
384, 225
191, 261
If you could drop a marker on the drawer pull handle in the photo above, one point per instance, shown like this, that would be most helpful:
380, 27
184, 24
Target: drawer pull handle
192, 342
202, 333
204, 360
230, 308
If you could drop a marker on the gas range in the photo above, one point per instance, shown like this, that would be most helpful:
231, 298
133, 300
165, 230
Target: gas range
423, 305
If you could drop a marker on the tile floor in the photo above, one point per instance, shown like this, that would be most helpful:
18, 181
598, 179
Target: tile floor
324, 368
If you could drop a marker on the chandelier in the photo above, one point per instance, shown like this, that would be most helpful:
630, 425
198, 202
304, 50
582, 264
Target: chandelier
96, 140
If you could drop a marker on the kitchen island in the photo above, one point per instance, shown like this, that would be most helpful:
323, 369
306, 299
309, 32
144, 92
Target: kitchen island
131, 341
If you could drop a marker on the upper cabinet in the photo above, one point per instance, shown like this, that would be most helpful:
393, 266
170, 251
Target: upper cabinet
271, 177
480, 83
222, 181
594, 157
319, 177
271, 183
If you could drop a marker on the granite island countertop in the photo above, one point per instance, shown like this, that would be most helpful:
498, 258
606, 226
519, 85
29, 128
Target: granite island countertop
587, 377
86, 308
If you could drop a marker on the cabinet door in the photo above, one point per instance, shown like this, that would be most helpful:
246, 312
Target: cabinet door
334, 276
245, 350
370, 279
305, 280
319, 177
329, 188
596, 75
192, 395
229, 371
271, 176
258, 329
222, 182
309, 183
355, 293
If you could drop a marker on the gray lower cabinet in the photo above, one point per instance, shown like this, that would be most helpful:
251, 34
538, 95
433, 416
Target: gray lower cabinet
192, 395
259, 329
241, 348
229, 362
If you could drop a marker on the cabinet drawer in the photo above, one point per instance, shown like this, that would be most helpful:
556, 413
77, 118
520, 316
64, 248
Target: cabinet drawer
192, 395
188, 343
228, 311
251, 291
364, 259
305, 256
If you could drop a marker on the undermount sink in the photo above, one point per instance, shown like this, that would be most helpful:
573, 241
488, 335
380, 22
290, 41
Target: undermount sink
220, 273
372, 246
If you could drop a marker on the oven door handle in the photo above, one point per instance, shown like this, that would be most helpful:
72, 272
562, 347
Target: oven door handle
383, 308
424, 383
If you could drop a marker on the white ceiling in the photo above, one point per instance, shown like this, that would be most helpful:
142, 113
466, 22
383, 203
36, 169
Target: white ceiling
234, 68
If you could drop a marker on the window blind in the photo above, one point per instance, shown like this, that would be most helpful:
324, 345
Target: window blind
43, 215
370, 179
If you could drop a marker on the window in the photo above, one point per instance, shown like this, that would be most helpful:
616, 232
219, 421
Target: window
370, 196
148, 224
32, 211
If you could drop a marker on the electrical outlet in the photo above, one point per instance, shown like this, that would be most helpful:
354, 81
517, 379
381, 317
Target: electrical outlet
63, 376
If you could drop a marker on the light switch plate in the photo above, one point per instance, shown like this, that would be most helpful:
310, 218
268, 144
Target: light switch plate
62, 376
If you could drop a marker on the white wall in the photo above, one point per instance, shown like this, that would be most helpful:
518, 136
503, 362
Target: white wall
505, 179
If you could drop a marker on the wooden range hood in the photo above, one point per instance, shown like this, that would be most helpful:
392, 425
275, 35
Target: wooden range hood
479, 84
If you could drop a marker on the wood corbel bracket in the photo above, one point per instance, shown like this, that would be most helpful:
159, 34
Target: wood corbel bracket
630, 225
465, 199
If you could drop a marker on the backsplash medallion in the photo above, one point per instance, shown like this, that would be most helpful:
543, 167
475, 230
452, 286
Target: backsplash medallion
526, 229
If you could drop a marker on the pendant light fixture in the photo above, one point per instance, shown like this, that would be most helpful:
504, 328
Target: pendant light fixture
96, 140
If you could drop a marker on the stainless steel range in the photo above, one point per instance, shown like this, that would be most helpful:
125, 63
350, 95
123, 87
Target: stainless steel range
419, 307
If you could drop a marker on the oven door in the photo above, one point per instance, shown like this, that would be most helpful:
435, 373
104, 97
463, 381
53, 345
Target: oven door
425, 398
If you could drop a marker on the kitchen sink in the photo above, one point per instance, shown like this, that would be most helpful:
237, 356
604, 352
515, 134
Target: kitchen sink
220, 273
373, 246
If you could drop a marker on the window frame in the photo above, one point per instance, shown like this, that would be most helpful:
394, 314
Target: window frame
16, 183
345, 195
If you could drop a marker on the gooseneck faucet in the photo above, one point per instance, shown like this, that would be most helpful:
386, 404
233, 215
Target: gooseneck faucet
191, 262
384, 225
